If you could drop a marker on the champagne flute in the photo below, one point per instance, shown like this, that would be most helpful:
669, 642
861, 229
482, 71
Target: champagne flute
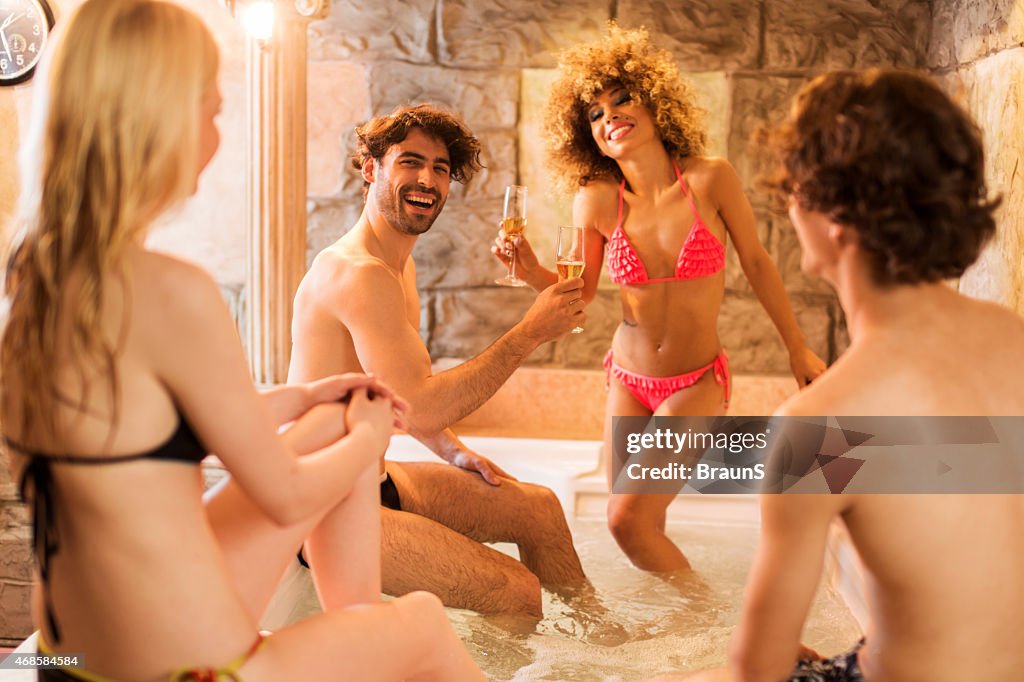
569, 255
513, 223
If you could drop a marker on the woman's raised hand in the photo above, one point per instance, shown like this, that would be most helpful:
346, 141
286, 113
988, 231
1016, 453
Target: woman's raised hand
526, 259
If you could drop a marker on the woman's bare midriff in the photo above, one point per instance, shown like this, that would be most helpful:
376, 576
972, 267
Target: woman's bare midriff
669, 328
132, 582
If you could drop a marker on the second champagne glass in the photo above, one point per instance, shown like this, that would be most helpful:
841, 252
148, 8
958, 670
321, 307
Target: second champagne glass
513, 223
569, 255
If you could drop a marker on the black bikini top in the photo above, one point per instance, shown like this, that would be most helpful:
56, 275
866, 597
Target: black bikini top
182, 446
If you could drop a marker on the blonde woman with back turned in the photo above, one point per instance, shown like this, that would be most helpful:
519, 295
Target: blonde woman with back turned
121, 369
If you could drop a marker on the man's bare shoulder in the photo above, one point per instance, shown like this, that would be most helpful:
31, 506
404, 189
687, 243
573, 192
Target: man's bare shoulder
842, 390
342, 267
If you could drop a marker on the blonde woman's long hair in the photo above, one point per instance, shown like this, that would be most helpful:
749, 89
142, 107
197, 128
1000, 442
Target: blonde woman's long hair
114, 144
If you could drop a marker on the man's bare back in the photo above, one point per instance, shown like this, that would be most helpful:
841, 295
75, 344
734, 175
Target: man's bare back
942, 572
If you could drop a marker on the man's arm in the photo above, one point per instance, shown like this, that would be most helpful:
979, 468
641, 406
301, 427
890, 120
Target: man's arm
448, 447
370, 300
782, 583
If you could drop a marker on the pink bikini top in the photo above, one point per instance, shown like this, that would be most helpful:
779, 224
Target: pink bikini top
702, 255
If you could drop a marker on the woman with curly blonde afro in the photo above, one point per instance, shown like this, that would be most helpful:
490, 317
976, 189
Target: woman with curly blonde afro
627, 140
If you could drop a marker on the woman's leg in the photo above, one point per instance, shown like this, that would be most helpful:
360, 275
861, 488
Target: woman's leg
409, 638
637, 521
257, 551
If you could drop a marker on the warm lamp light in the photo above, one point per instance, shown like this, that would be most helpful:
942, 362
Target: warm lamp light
258, 20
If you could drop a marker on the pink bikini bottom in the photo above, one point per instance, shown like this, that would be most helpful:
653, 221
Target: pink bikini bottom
652, 391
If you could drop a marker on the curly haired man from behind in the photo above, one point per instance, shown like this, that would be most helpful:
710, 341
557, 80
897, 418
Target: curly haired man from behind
884, 177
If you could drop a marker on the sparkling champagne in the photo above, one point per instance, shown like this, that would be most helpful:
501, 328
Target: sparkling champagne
513, 226
567, 269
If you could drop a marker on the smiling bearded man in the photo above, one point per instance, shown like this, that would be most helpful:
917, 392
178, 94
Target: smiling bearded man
357, 310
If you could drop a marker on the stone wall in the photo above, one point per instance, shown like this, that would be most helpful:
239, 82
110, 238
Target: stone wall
492, 60
976, 50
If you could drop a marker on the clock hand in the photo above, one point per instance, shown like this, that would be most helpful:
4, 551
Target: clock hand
7, 48
10, 20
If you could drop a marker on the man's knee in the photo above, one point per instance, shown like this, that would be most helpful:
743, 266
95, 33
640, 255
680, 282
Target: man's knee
542, 501
523, 594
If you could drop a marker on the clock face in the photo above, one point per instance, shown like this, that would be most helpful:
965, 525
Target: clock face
24, 28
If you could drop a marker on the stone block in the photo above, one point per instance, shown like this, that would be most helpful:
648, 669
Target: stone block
16, 561
995, 94
964, 30
455, 252
703, 35
8, 488
844, 34
785, 250
15, 611
754, 345
466, 321
498, 156
368, 31
338, 98
757, 101
14, 515
713, 91
484, 98
512, 33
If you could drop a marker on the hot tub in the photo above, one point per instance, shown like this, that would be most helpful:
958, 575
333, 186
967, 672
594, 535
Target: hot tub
642, 625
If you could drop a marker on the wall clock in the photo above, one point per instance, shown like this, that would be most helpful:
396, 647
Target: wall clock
24, 29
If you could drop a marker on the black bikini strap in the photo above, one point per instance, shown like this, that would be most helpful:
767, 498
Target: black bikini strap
69, 459
45, 535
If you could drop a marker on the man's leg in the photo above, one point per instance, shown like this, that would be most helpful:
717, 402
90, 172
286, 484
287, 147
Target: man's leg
526, 514
421, 554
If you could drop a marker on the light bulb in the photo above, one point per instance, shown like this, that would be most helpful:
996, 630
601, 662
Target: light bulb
258, 20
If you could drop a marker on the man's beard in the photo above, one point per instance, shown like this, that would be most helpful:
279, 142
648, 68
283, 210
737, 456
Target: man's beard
392, 206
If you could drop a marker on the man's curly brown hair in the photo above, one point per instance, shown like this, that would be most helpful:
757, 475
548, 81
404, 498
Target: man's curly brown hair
378, 135
890, 155
627, 59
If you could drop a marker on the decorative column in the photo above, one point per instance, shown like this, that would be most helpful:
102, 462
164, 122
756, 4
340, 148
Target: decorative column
276, 188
